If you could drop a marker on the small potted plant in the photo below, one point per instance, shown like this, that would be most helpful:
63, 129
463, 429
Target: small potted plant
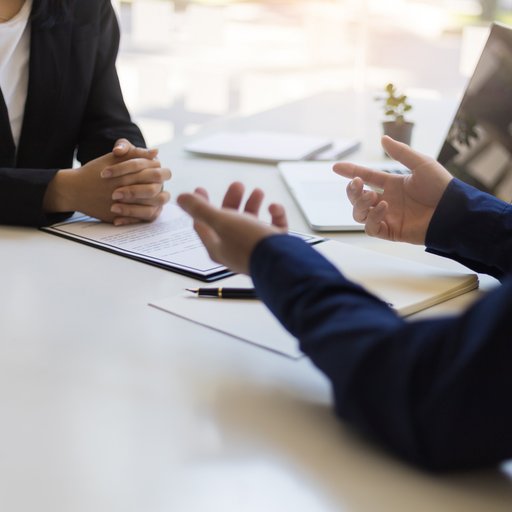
395, 107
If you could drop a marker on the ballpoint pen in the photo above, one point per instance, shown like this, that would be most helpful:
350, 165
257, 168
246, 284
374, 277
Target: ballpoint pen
225, 293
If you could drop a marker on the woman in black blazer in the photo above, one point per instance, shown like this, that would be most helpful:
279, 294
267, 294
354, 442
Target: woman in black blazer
74, 105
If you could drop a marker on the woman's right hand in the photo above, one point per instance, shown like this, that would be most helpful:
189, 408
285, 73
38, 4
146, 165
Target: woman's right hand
405, 204
137, 194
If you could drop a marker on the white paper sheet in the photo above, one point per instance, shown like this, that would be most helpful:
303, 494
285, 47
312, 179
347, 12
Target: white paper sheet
407, 286
247, 320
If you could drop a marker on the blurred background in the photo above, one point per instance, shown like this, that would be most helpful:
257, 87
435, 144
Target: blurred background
184, 63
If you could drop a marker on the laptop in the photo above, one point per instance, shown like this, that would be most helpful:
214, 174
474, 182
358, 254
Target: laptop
477, 148
321, 195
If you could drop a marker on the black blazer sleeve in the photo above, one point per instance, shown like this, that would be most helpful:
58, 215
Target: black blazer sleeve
21, 197
106, 117
74, 104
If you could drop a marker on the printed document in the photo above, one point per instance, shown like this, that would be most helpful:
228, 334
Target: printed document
169, 242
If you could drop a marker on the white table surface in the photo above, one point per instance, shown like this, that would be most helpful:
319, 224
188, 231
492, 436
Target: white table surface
110, 405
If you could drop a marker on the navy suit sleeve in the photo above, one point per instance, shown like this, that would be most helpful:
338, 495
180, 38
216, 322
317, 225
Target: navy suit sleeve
474, 228
436, 391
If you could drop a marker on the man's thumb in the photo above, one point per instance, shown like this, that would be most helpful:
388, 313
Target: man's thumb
197, 207
403, 153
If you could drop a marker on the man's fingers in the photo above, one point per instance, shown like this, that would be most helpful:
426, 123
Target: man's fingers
209, 238
202, 192
233, 196
375, 224
204, 214
199, 209
397, 150
355, 190
278, 215
253, 204
370, 176
368, 199
403, 153
379, 230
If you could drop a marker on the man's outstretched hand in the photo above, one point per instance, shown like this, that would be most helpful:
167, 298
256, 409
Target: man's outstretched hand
229, 235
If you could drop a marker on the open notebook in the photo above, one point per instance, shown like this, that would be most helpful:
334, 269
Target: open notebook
408, 286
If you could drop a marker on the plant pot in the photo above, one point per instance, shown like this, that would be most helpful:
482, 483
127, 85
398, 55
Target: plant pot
401, 132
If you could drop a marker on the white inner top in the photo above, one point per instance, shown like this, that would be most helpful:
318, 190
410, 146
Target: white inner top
14, 62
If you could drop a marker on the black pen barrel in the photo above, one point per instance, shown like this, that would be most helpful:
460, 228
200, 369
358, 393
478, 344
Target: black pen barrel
228, 293
238, 293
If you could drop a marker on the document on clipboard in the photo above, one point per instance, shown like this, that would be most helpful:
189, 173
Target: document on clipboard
169, 242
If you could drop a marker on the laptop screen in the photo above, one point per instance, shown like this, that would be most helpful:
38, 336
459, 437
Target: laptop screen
478, 147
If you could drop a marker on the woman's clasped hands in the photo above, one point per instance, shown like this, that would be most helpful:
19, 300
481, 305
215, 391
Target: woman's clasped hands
123, 187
